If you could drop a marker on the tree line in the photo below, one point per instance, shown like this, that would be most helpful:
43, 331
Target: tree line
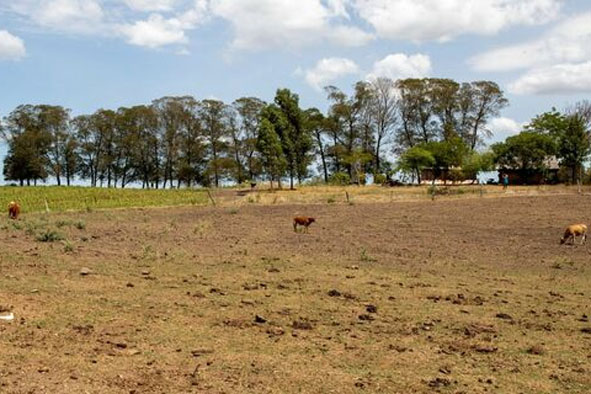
565, 136
182, 141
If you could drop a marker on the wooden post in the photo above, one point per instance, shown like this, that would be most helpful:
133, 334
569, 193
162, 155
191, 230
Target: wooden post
211, 197
46, 206
347, 195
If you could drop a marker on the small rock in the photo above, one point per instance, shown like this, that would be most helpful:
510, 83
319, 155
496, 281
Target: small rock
129, 284
586, 330
334, 293
536, 349
485, 349
85, 271
259, 319
445, 370
371, 308
366, 317
145, 272
43, 370
439, 382
302, 325
504, 316
275, 331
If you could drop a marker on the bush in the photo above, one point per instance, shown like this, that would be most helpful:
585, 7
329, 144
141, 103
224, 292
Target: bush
379, 179
50, 236
340, 179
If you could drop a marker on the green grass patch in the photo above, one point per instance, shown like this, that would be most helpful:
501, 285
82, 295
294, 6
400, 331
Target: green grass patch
60, 198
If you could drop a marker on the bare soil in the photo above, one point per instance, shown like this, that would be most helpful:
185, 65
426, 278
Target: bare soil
451, 296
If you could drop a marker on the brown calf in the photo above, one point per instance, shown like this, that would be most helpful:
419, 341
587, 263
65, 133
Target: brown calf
14, 210
302, 221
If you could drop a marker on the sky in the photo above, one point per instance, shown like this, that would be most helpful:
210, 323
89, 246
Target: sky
91, 54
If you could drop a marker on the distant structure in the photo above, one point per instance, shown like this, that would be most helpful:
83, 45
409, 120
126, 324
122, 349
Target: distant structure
518, 176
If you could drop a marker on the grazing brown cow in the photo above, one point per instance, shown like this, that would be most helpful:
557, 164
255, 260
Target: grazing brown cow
14, 210
572, 231
302, 221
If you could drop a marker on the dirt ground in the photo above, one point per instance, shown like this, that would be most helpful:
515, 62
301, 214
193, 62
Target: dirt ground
451, 296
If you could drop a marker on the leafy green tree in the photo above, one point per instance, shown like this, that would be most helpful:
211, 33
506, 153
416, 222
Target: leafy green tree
570, 134
447, 154
249, 112
173, 117
574, 146
214, 120
296, 138
476, 162
271, 151
29, 142
414, 160
487, 101
54, 120
71, 158
317, 123
528, 151
141, 135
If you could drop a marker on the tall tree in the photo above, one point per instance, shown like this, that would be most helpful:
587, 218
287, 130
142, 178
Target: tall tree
317, 123
28, 144
54, 120
271, 151
295, 137
384, 110
214, 118
249, 110
173, 114
574, 146
488, 100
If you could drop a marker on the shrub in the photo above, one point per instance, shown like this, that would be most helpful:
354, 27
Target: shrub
379, 179
339, 178
50, 236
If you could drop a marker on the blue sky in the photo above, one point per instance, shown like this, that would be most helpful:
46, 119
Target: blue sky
90, 54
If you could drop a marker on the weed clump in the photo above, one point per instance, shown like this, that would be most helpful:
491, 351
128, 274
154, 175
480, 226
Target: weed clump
50, 236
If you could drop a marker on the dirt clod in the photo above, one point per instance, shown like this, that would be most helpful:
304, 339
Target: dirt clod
259, 319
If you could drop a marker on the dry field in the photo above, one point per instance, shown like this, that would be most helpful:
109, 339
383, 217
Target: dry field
454, 295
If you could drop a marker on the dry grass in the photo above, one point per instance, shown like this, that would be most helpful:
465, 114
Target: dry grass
471, 295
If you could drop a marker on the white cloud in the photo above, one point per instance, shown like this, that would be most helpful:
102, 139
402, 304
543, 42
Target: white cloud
261, 24
557, 63
77, 16
567, 42
11, 47
328, 70
557, 79
443, 20
156, 31
400, 65
151, 5
504, 127
104, 18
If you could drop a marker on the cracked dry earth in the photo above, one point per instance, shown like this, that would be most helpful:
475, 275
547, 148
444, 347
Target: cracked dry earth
462, 296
